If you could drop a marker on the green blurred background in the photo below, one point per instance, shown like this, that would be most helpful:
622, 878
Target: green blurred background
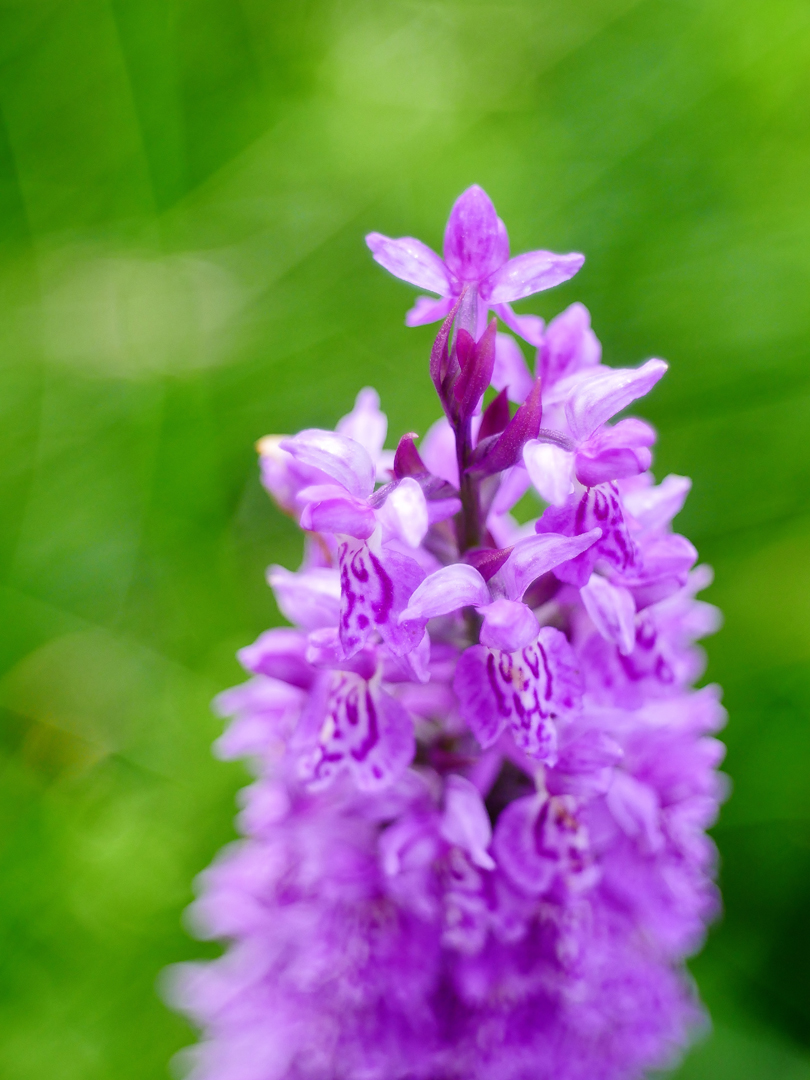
184, 189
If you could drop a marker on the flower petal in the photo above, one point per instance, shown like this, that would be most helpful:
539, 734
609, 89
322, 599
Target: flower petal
427, 310
374, 590
511, 370
349, 725
337, 455
600, 395
569, 345
537, 555
528, 327
475, 240
310, 598
613, 612
530, 273
341, 516
446, 590
549, 469
465, 822
508, 625
405, 512
410, 260
654, 507
366, 424
528, 690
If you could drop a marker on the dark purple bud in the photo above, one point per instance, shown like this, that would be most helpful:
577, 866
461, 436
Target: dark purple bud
407, 462
500, 452
496, 416
487, 561
440, 357
477, 362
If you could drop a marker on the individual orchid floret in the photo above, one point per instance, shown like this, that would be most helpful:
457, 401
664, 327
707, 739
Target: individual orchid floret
476, 257
475, 845
596, 454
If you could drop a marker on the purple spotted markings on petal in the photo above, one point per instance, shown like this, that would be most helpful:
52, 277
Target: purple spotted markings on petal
598, 507
373, 590
527, 691
354, 726
540, 841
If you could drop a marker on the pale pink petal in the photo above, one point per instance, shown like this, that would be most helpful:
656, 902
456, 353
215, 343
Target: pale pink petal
613, 612
337, 455
606, 392
529, 327
410, 260
465, 822
427, 310
475, 240
537, 555
549, 468
530, 273
366, 424
446, 590
511, 370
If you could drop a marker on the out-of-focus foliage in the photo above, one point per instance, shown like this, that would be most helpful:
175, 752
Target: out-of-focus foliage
184, 188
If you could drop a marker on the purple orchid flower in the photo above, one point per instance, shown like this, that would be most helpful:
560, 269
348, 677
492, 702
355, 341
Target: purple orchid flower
476, 842
476, 259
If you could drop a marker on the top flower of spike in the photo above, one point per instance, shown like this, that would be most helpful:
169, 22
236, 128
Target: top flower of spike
476, 257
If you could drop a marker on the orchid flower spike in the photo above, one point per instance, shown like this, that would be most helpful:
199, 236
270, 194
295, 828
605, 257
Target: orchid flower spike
476, 842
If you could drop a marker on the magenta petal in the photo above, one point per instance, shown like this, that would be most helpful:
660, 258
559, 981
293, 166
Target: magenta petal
569, 345
350, 726
536, 555
427, 310
447, 590
600, 395
337, 455
613, 612
366, 424
508, 625
511, 371
475, 241
465, 822
529, 689
280, 653
529, 327
539, 839
655, 507
339, 516
310, 598
530, 273
410, 260
374, 590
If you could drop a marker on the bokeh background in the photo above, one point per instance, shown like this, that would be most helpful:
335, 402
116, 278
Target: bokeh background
184, 190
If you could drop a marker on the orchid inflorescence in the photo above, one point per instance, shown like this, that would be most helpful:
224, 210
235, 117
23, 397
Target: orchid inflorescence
475, 846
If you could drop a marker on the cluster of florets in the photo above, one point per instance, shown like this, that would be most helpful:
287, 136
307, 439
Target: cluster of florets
475, 847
